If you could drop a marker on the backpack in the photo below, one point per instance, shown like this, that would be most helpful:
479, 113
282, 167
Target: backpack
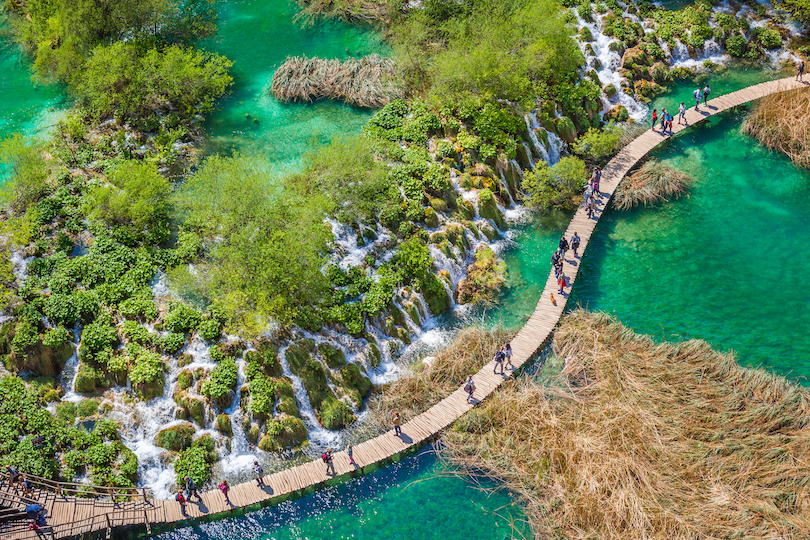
179, 498
325, 458
499, 356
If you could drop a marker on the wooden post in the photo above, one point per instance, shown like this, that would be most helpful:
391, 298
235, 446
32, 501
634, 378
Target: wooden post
143, 492
109, 525
146, 521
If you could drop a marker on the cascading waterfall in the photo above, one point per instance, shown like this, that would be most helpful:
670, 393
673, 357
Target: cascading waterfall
318, 434
67, 379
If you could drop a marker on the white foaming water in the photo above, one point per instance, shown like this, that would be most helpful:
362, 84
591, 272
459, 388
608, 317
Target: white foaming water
551, 153
160, 285
67, 379
346, 240
443, 262
240, 458
318, 435
19, 265
712, 51
610, 62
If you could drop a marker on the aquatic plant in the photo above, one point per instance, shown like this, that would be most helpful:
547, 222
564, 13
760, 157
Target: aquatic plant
642, 440
365, 82
779, 121
652, 183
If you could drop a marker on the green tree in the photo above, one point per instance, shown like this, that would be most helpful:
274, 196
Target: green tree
597, 145
137, 195
555, 187
267, 245
28, 172
800, 9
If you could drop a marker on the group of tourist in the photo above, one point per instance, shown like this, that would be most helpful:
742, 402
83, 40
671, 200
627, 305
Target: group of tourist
591, 192
665, 119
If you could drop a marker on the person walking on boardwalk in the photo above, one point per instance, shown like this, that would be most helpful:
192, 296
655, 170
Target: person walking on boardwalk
224, 487
555, 262
182, 500
507, 353
800, 72
327, 458
469, 387
499, 358
350, 453
706, 91
586, 194
669, 123
13, 475
561, 283
575, 243
591, 208
596, 177
259, 472
191, 489
26, 486
698, 95
654, 118
682, 113
397, 420
663, 119
563, 246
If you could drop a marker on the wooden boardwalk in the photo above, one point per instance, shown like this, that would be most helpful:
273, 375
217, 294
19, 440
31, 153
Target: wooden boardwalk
71, 516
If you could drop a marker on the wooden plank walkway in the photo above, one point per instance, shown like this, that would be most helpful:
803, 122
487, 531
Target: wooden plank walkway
70, 514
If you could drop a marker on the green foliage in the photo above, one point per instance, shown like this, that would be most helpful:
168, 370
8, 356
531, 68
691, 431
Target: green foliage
182, 318
769, 38
413, 261
192, 463
28, 172
97, 336
124, 79
262, 396
173, 342
136, 196
221, 381
555, 187
506, 50
335, 414
141, 306
25, 336
736, 45
56, 337
598, 145
175, 438
799, 9
144, 366
250, 271
87, 407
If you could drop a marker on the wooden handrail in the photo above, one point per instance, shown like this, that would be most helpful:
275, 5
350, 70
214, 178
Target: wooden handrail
80, 489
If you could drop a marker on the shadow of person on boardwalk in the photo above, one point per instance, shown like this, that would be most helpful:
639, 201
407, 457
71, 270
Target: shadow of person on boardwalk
404, 438
267, 489
201, 506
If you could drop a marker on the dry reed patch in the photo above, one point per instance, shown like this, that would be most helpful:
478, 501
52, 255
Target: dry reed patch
426, 385
365, 82
653, 182
640, 440
349, 10
781, 122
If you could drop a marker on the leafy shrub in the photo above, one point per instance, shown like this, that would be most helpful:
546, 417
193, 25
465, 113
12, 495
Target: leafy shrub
596, 145
550, 187
221, 381
140, 306
97, 336
28, 172
192, 463
769, 38
25, 336
56, 337
736, 45
172, 342
144, 366
134, 331
87, 407
182, 318
209, 329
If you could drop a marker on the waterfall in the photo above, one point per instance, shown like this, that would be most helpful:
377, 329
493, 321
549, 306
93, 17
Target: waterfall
317, 433
67, 379
240, 458
531, 125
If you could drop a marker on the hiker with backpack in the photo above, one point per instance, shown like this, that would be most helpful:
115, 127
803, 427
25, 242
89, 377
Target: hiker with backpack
327, 458
259, 472
469, 388
191, 489
507, 354
182, 500
698, 96
563, 246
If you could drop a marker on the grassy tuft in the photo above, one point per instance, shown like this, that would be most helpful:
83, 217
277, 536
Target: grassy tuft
779, 121
653, 182
642, 440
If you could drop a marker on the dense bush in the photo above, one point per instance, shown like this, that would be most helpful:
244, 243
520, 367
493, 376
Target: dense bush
28, 172
557, 186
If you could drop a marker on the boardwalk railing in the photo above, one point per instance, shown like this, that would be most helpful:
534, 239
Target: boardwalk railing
82, 490
425, 426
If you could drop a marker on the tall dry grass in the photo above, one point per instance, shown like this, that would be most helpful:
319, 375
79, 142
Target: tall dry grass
640, 440
365, 82
781, 122
653, 182
426, 385
371, 11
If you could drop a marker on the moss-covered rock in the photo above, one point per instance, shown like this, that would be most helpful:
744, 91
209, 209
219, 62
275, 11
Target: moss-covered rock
286, 397
431, 218
585, 34
196, 410
358, 385
86, 379
634, 56
224, 425
374, 355
465, 208
252, 433
457, 236
185, 379
412, 312
439, 205
618, 113
335, 414
334, 357
488, 208
283, 432
610, 90
566, 129
175, 438
485, 278
489, 231
435, 295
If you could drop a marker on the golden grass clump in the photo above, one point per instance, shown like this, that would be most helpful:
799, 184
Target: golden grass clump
653, 182
369, 81
780, 121
642, 440
348, 10
426, 385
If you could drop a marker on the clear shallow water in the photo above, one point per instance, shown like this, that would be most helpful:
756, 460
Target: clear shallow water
258, 36
25, 107
408, 500
725, 264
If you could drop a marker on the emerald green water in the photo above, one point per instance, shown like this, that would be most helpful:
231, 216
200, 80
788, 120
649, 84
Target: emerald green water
413, 499
724, 264
25, 107
258, 36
